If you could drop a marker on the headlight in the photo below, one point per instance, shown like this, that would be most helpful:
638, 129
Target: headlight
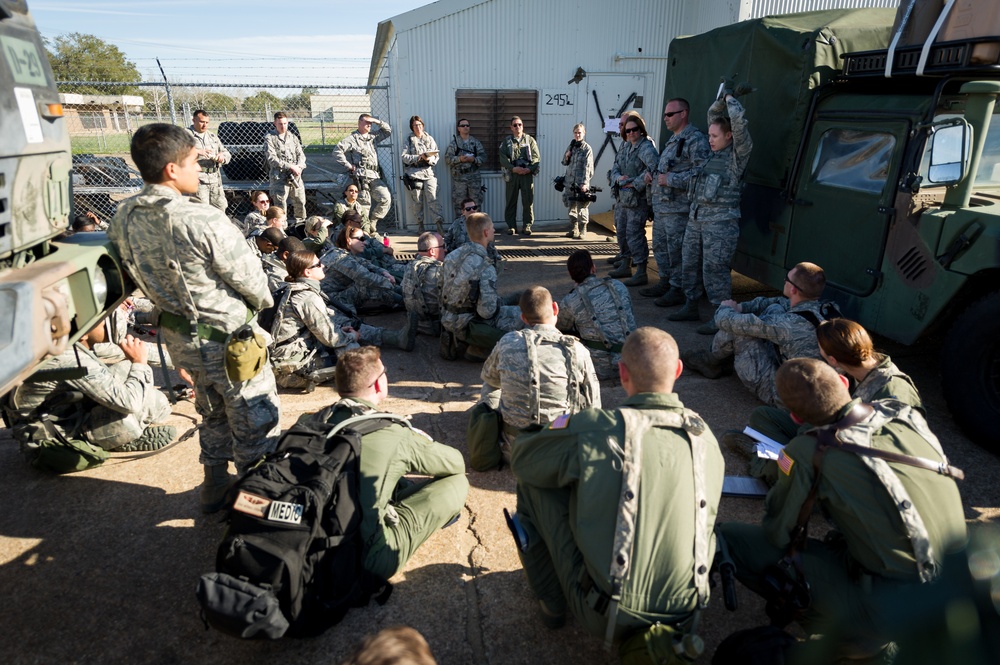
100, 288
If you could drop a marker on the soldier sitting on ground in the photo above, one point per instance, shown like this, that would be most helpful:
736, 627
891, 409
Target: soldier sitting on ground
536, 374
264, 243
369, 248
756, 337
617, 509
421, 287
255, 219
309, 332
473, 315
457, 235
351, 202
599, 311
355, 284
276, 218
894, 521
317, 235
115, 407
398, 515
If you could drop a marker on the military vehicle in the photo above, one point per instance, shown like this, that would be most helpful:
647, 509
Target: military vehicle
883, 167
51, 290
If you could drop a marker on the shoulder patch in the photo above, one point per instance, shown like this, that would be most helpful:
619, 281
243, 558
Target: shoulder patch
785, 463
562, 422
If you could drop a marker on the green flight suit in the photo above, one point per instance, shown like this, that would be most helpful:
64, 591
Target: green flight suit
569, 480
870, 553
395, 524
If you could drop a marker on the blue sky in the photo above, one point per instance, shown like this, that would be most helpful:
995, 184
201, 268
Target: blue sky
231, 40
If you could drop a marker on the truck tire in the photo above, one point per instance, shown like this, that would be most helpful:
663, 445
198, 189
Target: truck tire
970, 371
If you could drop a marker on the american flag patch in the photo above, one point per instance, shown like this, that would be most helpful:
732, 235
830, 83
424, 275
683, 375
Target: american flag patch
562, 422
785, 463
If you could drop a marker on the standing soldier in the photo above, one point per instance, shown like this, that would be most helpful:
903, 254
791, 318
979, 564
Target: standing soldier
519, 160
207, 284
713, 227
629, 176
211, 156
599, 311
421, 284
686, 150
419, 158
464, 157
579, 163
286, 161
358, 155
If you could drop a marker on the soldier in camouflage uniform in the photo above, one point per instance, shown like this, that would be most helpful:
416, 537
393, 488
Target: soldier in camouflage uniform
579, 163
457, 235
211, 156
358, 155
309, 332
893, 523
264, 244
369, 248
686, 150
468, 282
632, 209
256, 218
569, 477
421, 283
206, 283
285, 162
352, 202
759, 335
599, 311
713, 227
519, 161
536, 374
355, 284
120, 405
465, 156
418, 165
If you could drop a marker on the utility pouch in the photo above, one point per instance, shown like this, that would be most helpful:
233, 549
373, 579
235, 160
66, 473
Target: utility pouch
246, 354
239, 608
661, 644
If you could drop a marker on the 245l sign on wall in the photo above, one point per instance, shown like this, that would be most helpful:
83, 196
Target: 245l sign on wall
559, 101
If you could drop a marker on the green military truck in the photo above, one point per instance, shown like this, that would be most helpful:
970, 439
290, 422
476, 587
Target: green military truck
51, 291
888, 179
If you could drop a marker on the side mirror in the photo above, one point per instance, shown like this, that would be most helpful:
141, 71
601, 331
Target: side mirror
949, 152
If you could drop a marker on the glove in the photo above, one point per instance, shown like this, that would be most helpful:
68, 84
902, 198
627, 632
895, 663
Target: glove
742, 89
727, 87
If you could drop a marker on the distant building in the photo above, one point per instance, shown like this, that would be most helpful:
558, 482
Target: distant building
339, 108
88, 113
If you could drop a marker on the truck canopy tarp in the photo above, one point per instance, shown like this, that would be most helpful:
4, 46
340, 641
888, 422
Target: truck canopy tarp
784, 58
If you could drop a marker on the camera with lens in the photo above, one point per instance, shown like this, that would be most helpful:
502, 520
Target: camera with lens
560, 183
522, 163
588, 196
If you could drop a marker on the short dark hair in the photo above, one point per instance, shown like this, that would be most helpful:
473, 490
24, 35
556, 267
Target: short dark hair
290, 244
580, 264
273, 236
365, 115
81, 224
651, 356
516, 117
357, 369
200, 112
280, 114
683, 103
811, 390
156, 145
468, 200
536, 304
809, 279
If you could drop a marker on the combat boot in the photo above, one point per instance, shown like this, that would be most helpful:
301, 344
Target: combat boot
623, 270
215, 488
689, 312
707, 328
640, 277
674, 296
655, 290
476, 354
706, 364
404, 338
153, 437
616, 259
740, 443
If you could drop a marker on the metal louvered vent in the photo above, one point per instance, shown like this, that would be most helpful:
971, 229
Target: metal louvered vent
912, 264
558, 250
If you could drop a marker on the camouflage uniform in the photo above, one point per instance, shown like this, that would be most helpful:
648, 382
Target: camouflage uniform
536, 374
210, 179
684, 153
579, 171
765, 334
632, 207
308, 333
252, 222
120, 401
422, 291
343, 206
465, 272
879, 536
353, 283
466, 182
358, 150
425, 187
457, 235
600, 312
714, 221
209, 277
569, 478
395, 523
513, 149
375, 252
280, 152
621, 223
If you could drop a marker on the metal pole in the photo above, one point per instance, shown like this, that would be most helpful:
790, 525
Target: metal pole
170, 94
322, 132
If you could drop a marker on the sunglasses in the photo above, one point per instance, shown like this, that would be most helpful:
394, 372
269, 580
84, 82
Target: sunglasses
471, 208
263, 200
465, 125
671, 114
316, 265
631, 129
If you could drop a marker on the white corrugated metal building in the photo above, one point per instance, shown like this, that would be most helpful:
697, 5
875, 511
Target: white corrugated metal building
490, 59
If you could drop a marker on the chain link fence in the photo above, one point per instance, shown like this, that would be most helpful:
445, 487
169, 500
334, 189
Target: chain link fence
102, 117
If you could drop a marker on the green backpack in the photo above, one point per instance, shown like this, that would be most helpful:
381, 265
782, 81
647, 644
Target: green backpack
62, 455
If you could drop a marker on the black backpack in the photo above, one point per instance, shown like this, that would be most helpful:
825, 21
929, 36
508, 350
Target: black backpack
291, 559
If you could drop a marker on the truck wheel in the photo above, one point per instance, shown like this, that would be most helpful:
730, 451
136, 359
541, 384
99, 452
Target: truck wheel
970, 371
